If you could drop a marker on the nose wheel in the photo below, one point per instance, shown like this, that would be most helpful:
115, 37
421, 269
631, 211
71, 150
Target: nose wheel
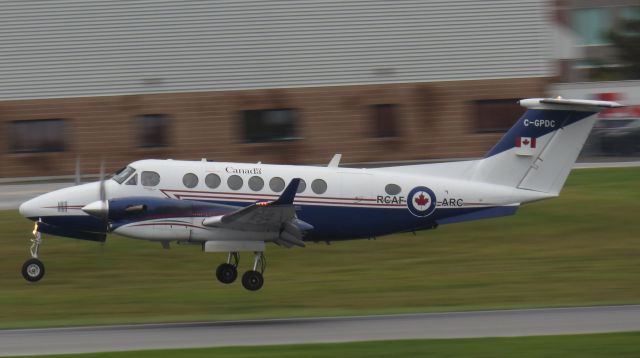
33, 269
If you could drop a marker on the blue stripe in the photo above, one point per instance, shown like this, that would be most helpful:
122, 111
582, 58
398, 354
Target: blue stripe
329, 222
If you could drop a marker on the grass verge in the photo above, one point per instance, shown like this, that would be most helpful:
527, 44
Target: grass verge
579, 249
578, 346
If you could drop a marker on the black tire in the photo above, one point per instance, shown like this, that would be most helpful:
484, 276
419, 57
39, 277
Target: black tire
33, 270
226, 273
252, 280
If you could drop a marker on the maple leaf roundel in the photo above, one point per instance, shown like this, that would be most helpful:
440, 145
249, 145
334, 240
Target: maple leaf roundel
421, 201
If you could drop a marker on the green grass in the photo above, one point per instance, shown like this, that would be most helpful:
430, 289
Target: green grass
582, 248
579, 346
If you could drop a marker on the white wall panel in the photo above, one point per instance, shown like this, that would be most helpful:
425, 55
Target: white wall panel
66, 48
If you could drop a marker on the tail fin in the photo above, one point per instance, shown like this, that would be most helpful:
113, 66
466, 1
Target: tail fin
537, 153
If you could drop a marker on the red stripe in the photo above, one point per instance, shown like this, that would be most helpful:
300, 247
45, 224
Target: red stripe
253, 195
296, 201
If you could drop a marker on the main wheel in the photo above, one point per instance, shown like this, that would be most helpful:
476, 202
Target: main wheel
33, 270
252, 280
226, 273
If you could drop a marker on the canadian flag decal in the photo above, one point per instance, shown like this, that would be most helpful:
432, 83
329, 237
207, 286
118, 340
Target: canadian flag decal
525, 145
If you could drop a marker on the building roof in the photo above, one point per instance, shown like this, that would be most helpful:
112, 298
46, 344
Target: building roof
68, 48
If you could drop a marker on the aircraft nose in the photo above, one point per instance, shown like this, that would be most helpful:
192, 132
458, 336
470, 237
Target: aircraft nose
28, 208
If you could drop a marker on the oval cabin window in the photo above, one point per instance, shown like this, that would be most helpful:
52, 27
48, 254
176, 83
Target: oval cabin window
392, 189
190, 180
212, 181
256, 183
319, 186
276, 184
302, 186
150, 178
235, 182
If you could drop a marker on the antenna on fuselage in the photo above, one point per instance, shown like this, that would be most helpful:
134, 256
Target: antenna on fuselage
335, 161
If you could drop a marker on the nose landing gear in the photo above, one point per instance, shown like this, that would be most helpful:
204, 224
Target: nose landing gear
33, 269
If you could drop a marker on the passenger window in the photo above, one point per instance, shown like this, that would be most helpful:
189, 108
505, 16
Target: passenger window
190, 180
276, 184
150, 178
392, 189
234, 182
319, 186
212, 180
133, 180
302, 186
256, 183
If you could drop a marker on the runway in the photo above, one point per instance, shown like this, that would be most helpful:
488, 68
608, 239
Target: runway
321, 330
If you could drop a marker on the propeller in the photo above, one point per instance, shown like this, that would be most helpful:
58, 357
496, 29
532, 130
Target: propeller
78, 180
99, 208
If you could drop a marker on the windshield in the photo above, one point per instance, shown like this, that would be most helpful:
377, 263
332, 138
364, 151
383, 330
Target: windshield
123, 174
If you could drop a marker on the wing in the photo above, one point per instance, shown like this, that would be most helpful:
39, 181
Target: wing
277, 216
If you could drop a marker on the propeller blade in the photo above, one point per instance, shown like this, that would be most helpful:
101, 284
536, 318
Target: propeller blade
103, 189
77, 179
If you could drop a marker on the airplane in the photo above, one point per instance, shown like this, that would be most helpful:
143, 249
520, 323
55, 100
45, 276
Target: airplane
240, 207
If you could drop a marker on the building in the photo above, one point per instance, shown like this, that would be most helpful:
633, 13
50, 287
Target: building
276, 81
582, 42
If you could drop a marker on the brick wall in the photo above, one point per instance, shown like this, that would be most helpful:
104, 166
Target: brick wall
436, 120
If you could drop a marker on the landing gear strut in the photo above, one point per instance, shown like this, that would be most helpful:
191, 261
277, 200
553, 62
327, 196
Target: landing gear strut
228, 272
33, 269
253, 280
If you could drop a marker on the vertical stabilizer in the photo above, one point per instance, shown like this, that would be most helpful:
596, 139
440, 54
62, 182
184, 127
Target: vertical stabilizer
538, 152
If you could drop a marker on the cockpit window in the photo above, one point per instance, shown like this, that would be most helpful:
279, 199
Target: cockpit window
133, 180
123, 174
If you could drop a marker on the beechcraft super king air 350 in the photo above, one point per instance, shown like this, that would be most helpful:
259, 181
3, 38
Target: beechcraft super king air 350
239, 207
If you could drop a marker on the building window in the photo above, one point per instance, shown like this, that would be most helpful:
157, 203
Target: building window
592, 25
33, 136
153, 130
497, 115
385, 118
270, 125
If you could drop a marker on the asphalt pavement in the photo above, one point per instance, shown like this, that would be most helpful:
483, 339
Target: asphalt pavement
505, 323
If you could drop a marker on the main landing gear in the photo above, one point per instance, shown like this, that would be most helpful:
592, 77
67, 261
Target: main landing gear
252, 280
33, 269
